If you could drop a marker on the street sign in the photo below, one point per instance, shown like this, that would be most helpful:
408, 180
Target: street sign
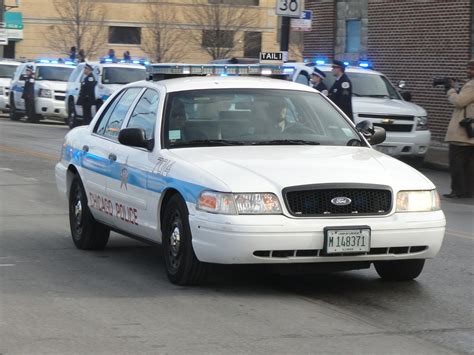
271, 58
289, 8
302, 24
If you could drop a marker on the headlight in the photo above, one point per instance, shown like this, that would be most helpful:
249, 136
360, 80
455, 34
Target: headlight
418, 201
45, 93
421, 123
2, 90
247, 203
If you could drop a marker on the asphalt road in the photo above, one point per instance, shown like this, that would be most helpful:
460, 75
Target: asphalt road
57, 299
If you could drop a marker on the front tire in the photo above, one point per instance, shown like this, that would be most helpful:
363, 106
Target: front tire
87, 233
71, 119
181, 264
399, 270
14, 115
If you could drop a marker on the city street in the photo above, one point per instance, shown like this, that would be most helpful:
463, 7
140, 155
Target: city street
55, 298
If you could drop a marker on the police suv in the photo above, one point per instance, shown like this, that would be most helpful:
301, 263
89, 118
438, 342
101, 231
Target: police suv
110, 77
50, 89
7, 70
377, 100
245, 170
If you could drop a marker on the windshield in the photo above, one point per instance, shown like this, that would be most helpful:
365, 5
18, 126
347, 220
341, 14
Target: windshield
123, 75
254, 117
7, 71
368, 85
53, 73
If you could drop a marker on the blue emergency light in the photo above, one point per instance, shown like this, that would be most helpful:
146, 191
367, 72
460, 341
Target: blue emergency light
55, 61
365, 64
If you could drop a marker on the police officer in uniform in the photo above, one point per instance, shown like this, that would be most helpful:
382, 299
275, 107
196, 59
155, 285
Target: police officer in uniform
317, 77
87, 94
29, 94
341, 91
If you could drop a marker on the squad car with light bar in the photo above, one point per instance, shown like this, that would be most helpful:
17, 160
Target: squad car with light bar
245, 170
111, 75
374, 98
51, 76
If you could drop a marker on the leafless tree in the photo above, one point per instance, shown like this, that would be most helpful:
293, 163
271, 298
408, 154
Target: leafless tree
81, 25
164, 40
222, 26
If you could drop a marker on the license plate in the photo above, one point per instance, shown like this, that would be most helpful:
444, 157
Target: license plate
347, 240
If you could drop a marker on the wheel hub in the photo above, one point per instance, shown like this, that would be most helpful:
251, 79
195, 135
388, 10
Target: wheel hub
78, 212
175, 241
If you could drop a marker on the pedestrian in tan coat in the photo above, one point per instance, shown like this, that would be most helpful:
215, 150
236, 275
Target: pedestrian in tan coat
461, 147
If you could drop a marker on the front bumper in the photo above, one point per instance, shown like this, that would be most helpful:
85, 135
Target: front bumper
410, 144
50, 107
236, 239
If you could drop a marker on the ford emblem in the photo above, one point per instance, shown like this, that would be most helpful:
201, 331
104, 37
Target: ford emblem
341, 201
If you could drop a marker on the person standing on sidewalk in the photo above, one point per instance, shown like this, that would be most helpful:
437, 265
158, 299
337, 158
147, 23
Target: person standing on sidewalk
461, 147
29, 94
341, 91
87, 94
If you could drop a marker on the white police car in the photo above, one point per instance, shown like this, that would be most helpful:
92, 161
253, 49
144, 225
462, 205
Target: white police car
7, 70
50, 89
236, 170
376, 99
110, 77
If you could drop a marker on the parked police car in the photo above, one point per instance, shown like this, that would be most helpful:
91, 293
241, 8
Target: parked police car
50, 89
110, 77
376, 99
235, 170
7, 70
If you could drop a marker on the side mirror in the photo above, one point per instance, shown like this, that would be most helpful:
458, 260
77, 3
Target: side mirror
23, 77
406, 95
373, 134
402, 84
378, 136
134, 137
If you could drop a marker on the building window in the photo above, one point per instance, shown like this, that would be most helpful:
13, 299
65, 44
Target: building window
235, 2
353, 29
220, 39
125, 35
252, 44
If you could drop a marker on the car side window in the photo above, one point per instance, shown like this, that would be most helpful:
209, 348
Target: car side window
113, 117
302, 78
144, 113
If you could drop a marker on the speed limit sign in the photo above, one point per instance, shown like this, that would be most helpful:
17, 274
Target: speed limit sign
290, 8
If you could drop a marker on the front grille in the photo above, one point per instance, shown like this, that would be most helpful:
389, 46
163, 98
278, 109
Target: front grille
315, 200
390, 117
395, 127
308, 253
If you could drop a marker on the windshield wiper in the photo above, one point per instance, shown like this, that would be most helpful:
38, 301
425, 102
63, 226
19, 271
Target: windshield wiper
285, 142
206, 142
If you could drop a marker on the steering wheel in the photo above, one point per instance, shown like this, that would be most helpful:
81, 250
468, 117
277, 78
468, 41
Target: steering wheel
298, 128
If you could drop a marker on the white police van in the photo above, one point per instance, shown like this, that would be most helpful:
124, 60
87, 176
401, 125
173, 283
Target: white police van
245, 170
7, 70
50, 89
376, 99
110, 77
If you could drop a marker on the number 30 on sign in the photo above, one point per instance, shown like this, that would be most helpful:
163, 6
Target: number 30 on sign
290, 8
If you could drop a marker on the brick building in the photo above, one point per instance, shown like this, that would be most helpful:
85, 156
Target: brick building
127, 26
407, 40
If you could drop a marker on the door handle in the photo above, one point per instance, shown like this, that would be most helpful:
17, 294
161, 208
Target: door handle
85, 148
112, 157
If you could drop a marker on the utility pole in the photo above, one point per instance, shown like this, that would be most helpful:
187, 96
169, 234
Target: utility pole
287, 9
2, 18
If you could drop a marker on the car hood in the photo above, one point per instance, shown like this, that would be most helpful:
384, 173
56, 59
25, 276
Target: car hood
370, 105
272, 168
53, 85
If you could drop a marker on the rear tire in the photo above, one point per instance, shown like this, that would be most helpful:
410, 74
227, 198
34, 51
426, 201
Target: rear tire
87, 233
71, 120
14, 114
181, 264
399, 270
